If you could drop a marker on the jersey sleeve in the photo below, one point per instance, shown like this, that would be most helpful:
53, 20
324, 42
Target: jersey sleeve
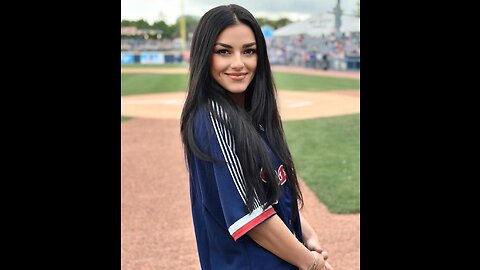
230, 181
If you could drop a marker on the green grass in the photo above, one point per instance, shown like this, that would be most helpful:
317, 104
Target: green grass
168, 65
125, 118
144, 83
303, 82
326, 152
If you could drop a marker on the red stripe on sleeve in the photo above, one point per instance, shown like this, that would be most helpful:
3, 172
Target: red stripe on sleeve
252, 223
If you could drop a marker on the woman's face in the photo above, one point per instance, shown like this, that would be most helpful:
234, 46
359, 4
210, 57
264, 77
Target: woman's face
234, 58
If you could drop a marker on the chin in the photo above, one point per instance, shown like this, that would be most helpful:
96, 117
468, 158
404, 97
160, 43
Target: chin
236, 89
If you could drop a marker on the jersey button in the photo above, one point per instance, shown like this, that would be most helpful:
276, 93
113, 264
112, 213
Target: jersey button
289, 222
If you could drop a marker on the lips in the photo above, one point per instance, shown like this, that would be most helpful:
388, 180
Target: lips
237, 76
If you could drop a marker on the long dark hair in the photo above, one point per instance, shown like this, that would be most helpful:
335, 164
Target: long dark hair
260, 108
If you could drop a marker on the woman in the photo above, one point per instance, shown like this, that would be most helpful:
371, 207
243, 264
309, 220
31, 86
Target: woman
243, 188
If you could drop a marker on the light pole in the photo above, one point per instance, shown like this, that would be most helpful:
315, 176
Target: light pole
338, 19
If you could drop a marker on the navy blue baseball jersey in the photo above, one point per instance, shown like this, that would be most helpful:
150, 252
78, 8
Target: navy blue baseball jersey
220, 215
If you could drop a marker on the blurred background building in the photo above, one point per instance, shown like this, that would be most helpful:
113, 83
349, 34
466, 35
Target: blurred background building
327, 41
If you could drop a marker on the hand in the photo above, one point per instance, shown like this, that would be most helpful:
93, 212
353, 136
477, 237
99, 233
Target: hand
314, 245
328, 266
324, 254
320, 263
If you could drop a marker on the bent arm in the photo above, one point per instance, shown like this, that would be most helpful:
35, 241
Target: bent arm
310, 237
273, 235
311, 241
307, 230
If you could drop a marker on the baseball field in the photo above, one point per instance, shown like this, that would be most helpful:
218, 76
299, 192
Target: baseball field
321, 115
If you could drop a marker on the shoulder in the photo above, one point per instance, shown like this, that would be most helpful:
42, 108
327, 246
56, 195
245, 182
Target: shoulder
206, 119
201, 120
211, 121
208, 113
217, 110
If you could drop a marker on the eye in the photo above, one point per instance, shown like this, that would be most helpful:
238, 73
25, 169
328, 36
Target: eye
250, 51
222, 52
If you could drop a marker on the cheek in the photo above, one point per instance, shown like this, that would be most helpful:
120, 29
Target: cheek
251, 63
218, 64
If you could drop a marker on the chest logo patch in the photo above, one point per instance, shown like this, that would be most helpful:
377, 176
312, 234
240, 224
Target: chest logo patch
280, 173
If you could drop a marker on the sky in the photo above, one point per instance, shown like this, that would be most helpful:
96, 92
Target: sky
169, 10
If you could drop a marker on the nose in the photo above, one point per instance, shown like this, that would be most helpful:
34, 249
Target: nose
237, 61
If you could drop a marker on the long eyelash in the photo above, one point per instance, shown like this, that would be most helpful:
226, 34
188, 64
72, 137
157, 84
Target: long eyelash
222, 51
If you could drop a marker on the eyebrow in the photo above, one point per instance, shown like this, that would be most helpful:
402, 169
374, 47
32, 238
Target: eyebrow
230, 47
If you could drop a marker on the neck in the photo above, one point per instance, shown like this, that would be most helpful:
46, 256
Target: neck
239, 99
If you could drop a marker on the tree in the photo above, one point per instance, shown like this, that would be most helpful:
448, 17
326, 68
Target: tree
262, 21
273, 23
167, 30
281, 22
140, 24
191, 23
127, 23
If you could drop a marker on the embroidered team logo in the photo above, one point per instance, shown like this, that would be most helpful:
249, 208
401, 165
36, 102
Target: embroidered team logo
280, 173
